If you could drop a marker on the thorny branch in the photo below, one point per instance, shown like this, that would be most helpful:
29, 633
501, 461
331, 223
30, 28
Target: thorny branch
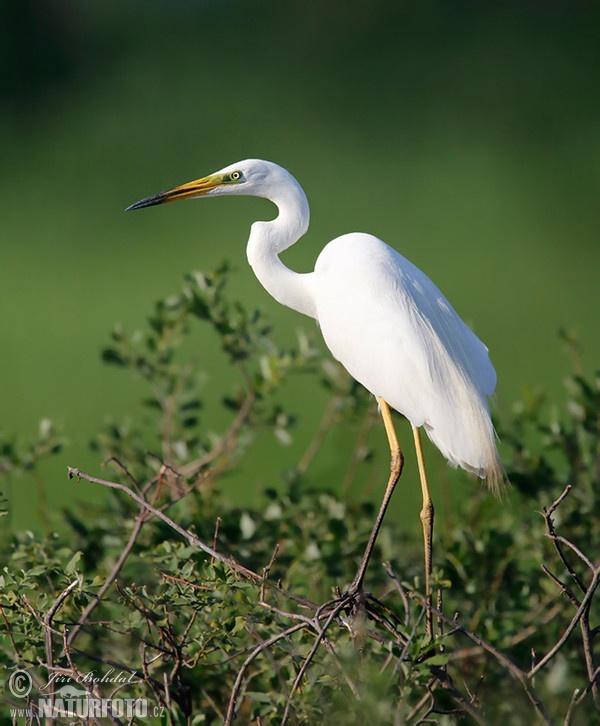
191, 538
582, 615
399, 631
333, 612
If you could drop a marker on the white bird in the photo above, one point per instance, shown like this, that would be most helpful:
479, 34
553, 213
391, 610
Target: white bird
384, 320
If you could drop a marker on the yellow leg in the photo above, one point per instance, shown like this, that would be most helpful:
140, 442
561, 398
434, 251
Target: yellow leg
427, 521
396, 465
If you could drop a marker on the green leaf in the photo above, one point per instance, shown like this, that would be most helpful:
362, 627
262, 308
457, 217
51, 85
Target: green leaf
71, 567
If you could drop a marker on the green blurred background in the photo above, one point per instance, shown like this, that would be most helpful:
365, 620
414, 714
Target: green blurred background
467, 135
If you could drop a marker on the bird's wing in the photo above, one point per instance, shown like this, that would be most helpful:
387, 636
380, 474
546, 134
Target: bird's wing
433, 312
393, 330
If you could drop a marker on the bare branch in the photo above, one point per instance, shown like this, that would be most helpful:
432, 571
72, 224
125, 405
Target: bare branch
137, 528
256, 652
520, 675
447, 684
562, 587
572, 625
547, 514
400, 590
191, 538
307, 661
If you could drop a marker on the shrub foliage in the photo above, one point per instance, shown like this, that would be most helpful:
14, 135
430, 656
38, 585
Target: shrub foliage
218, 614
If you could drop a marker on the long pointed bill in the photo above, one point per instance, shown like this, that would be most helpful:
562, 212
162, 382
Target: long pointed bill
197, 188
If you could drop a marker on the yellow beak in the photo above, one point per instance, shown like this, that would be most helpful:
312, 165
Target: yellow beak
196, 188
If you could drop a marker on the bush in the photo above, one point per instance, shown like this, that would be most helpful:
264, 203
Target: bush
148, 598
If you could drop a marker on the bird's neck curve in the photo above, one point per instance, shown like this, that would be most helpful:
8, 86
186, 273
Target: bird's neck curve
268, 239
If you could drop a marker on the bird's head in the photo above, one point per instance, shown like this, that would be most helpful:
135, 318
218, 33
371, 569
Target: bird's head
252, 177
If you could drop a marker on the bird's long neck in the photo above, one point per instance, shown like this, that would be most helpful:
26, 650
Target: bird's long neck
268, 239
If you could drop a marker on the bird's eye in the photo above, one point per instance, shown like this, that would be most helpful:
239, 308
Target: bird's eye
235, 175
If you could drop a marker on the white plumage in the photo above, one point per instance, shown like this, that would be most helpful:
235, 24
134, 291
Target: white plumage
408, 346
381, 317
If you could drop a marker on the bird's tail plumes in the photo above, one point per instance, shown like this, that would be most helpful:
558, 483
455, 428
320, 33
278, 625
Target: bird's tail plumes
464, 432
495, 475
471, 444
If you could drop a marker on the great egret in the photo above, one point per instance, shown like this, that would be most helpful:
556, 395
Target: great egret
384, 320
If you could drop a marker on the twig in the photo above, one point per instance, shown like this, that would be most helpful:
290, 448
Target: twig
187, 583
447, 683
409, 640
583, 607
565, 636
400, 590
307, 661
256, 652
588, 652
427, 696
266, 571
381, 613
139, 523
562, 587
314, 623
574, 700
17, 655
216, 534
225, 442
115, 460
47, 624
520, 675
576, 550
547, 514
192, 539
285, 614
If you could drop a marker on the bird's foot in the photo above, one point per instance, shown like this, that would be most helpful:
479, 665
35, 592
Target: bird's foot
354, 597
353, 589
